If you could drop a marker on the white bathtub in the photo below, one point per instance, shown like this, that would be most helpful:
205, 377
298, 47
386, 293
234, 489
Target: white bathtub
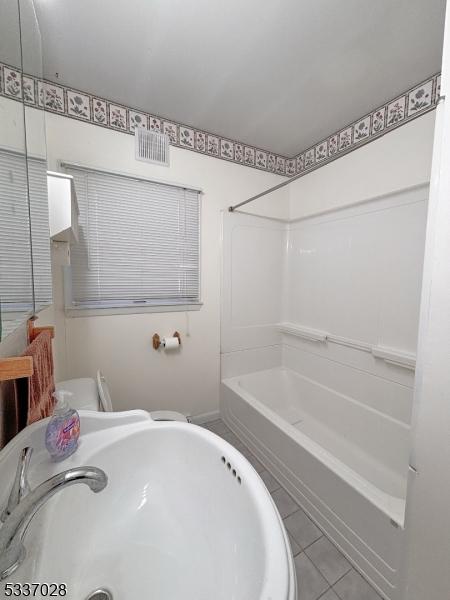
344, 462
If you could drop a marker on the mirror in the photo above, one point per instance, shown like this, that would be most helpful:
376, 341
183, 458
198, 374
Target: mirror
25, 266
36, 151
16, 283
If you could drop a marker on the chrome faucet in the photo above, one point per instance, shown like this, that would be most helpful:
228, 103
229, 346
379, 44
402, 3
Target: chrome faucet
23, 505
20, 487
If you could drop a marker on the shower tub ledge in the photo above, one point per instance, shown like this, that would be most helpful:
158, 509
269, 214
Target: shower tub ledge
325, 449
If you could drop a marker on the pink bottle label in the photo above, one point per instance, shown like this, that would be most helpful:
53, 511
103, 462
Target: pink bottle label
68, 435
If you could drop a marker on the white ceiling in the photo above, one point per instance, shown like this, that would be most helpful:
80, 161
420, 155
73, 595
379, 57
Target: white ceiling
279, 74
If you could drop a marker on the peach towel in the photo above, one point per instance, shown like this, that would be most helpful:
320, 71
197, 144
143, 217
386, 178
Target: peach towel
41, 384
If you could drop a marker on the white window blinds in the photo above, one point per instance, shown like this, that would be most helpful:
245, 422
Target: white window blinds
138, 242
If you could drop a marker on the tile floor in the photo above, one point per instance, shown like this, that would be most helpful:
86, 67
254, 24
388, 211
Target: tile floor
322, 571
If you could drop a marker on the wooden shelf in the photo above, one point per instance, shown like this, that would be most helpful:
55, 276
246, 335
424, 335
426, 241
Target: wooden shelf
16, 367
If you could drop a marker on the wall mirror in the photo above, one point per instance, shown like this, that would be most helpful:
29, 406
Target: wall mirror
25, 266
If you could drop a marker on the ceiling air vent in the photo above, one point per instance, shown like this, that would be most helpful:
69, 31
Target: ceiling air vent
152, 147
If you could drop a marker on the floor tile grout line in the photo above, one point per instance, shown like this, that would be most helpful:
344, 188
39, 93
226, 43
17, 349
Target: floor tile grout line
340, 578
317, 569
317, 566
330, 587
323, 575
363, 578
291, 513
316, 540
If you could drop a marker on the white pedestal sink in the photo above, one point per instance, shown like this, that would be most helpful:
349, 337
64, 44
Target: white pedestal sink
184, 516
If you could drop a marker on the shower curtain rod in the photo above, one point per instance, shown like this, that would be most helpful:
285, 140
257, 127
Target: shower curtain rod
342, 153
260, 195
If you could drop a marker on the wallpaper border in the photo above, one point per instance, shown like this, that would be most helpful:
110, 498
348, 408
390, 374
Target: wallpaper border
415, 102
75, 104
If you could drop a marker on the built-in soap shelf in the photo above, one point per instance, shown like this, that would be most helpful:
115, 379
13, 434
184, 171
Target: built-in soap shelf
389, 355
395, 357
314, 335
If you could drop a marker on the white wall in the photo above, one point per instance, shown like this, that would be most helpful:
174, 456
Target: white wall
120, 345
12, 135
357, 272
399, 159
254, 252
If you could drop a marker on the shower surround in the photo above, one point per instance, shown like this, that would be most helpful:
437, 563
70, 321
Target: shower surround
319, 333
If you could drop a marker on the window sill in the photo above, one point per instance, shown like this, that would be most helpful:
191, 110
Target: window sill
130, 310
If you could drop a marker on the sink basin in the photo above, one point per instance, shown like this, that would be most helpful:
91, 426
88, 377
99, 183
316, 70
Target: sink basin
184, 516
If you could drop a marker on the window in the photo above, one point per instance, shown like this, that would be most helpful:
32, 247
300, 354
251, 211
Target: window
138, 243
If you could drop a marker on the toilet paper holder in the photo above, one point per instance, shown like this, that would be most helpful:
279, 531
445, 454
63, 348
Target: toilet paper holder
158, 342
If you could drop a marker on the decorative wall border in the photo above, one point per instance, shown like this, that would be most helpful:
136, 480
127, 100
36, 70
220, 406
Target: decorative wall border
96, 110
89, 108
404, 108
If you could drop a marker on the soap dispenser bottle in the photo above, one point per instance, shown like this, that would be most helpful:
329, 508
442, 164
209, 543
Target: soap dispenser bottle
63, 429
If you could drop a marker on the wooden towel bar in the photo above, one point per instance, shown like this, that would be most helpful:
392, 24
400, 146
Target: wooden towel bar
17, 367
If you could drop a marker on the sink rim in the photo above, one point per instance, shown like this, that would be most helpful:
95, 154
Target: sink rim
98, 437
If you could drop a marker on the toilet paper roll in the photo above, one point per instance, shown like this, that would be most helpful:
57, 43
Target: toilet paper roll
170, 343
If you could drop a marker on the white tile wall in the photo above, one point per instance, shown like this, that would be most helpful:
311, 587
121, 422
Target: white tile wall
254, 254
355, 273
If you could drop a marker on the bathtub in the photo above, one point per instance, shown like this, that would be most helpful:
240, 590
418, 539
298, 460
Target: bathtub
344, 462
